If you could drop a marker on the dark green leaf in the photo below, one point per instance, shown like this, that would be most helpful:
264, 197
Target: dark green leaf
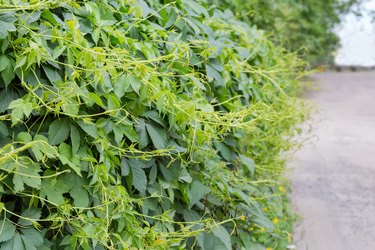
31, 238
213, 74
208, 241
172, 17
75, 138
31, 213
4, 62
122, 85
135, 83
14, 243
139, 178
158, 136
130, 133
7, 230
77, 189
8, 73
142, 132
4, 131
89, 128
52, 74
185, 176
6, 97
125, 169
197, 192
58, 131
249, 163
6, 24
221, 233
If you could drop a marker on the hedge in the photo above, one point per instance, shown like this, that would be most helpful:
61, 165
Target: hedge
142, 125
304, 26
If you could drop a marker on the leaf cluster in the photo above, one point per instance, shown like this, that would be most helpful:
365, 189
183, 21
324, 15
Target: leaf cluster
142, 125
306, 26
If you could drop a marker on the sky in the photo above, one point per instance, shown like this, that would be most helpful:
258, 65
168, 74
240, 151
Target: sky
357, 36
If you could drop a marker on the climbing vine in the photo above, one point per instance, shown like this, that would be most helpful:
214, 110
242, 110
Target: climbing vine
142, 125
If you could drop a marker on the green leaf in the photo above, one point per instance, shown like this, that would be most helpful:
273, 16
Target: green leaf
75, 138
58, 51
26, 172
153, 174
221, 233
79, 194
96, 35
24, 137
20, 62
158, 136
118, 134
4, 131
6, 97
31, 213
224, 151
135, 83
53, 188
130, 133
52, 74
31, 238
14, 243
249, 163
113, 102
213, 74
6, 24
172, 17
197, 192
7, 230
154, 115
77, 190
89, 128
185, 176
70, 106
41, 148
58, 131
142, 132
139, 178
125, 169
4, 61
208, 241
122, 86
196, 7
8, 73
249, 243
96, 99
66, 157
20, 108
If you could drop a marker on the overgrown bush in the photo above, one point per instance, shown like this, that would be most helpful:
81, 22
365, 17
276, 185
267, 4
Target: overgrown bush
142, 125
305, 26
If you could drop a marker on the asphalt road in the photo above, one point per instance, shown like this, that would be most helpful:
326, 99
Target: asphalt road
334, 173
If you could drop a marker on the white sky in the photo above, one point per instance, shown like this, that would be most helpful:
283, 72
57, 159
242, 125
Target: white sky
357, 36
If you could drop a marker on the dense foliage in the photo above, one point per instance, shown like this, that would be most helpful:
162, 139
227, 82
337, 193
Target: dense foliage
306, 26
142, 125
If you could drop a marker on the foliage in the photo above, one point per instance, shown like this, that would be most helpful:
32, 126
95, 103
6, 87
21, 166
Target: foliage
142, 125
306, 26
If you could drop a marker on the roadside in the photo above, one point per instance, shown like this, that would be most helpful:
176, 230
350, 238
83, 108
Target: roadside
334, 174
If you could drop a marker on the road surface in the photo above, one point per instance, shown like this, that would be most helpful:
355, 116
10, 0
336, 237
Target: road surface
333, 179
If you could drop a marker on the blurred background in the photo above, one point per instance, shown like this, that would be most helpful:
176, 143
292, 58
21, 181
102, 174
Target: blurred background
357, 37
